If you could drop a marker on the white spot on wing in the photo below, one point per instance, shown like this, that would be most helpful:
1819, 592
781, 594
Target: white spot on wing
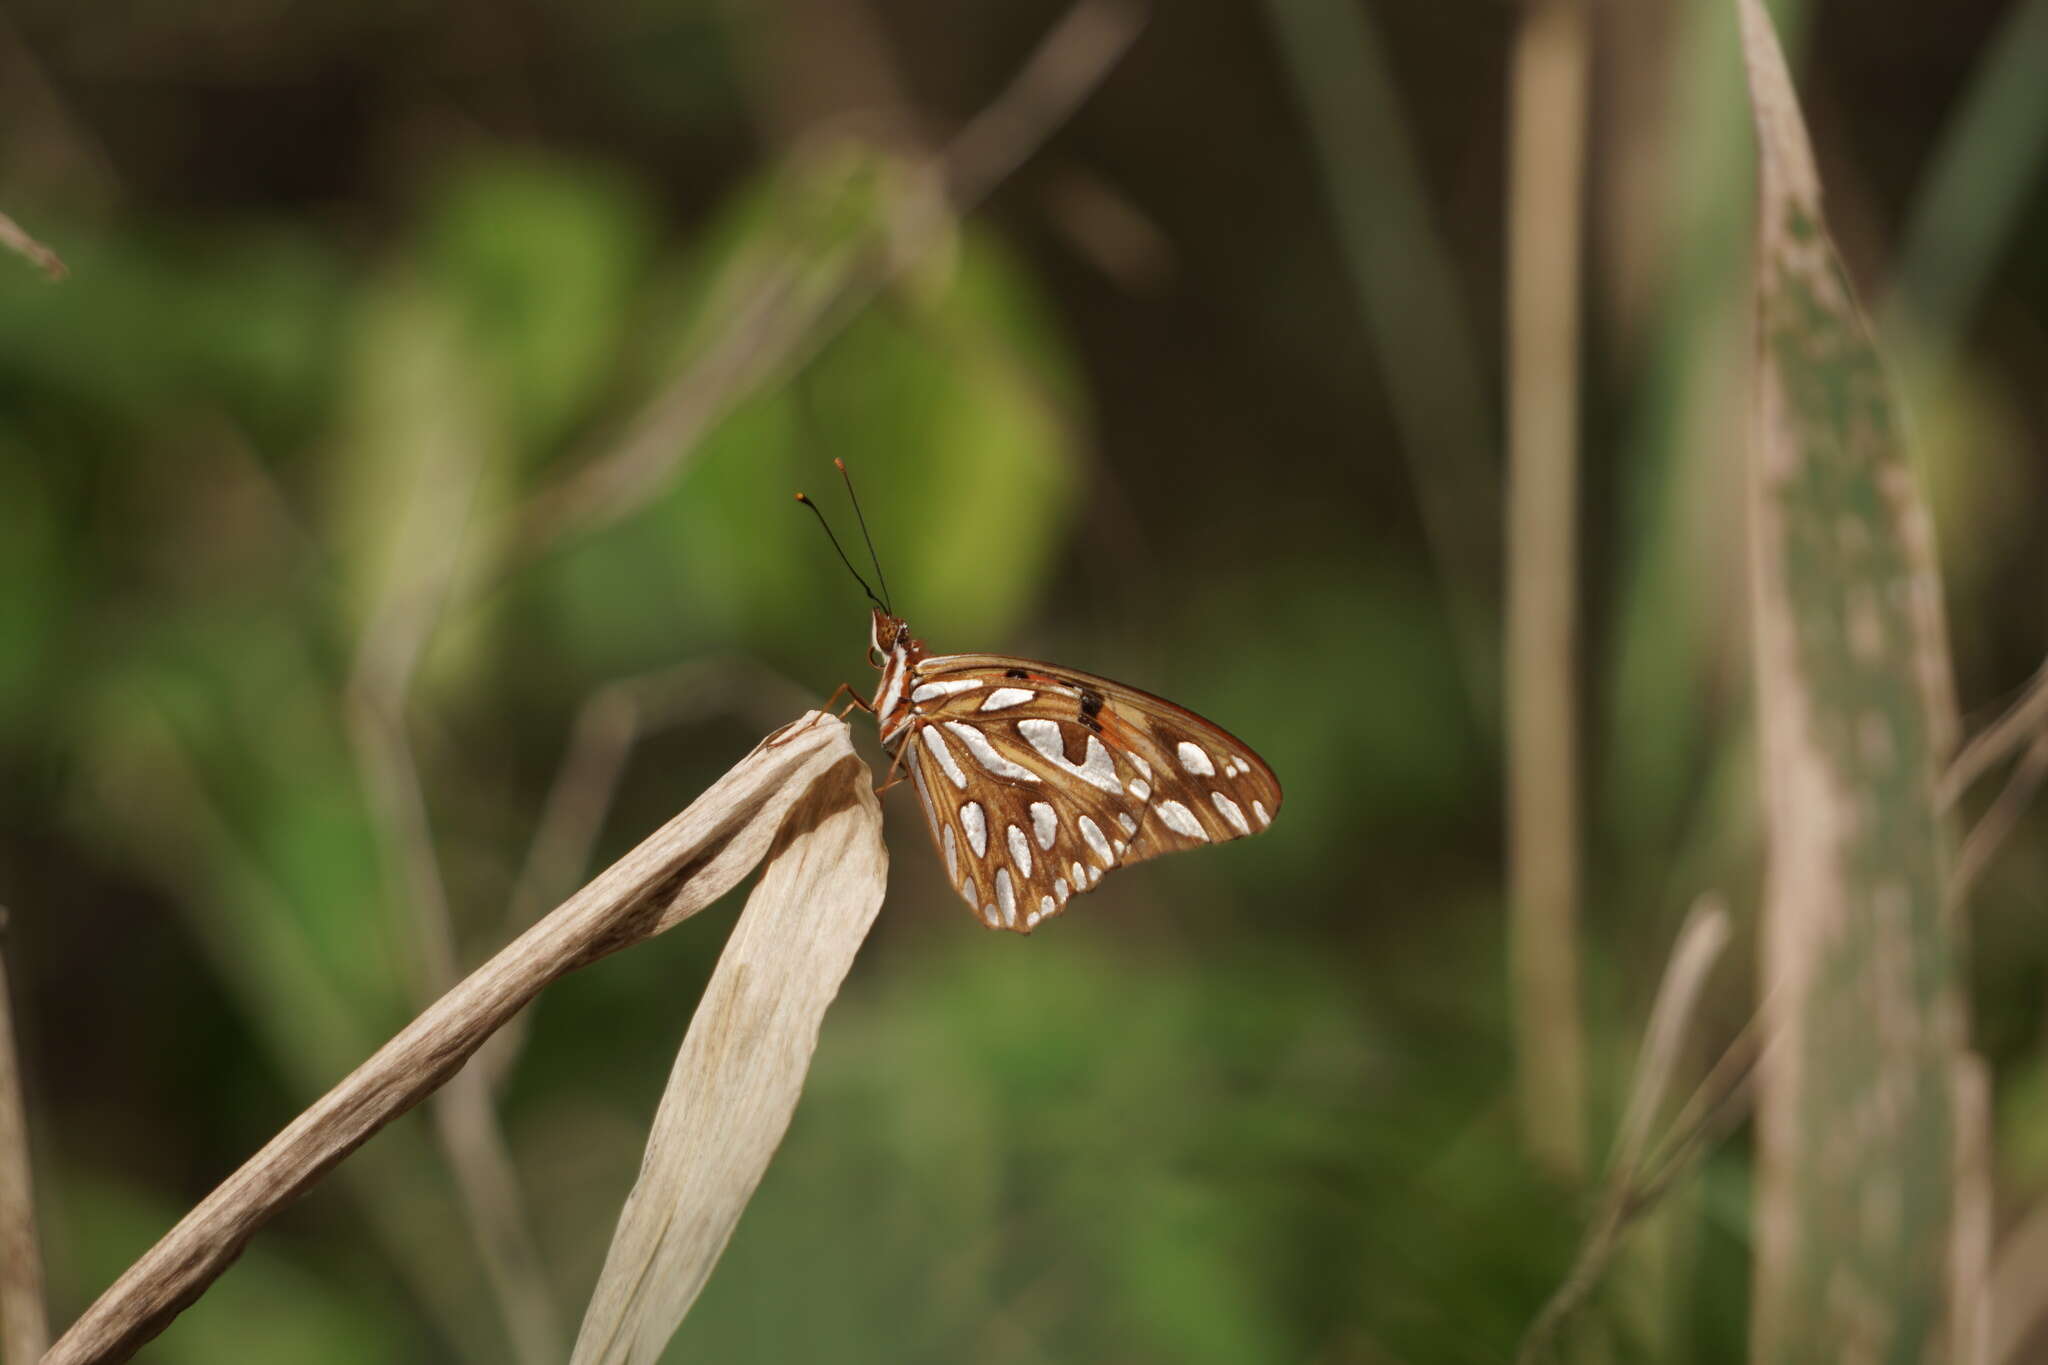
1098, 769
988, 913
1092, 832
1005, 697
972, 820
985, 753
1230, 811
952, 857
1044, 736
1138, 762
1259, 810
1020, 851
1060, 890
1130, 826
944, 687
1006, 896
1195, 759
1140, 789
1045, 823
1080, 876
943, 752
1045, 906
1180, 819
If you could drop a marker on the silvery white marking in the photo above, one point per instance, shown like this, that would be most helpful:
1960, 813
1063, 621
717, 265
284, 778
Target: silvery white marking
1098, 769
1119, 846
1123, 818
1092, 832
943, 752
1044, 736
1259, 809
892, 695
1031, 920
1006, 896
952, 857
1180, 819
1045, 823
1140, 789
1080, 876
977, 828
944, 687
1059, 889
1020, 851
1045, 906
1195, 759
985, 753
1005, 697
988, 913
1229, 810
1138, 762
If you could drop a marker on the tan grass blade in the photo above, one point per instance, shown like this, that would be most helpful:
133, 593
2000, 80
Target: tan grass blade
684, 866
1625, 1195
13, 238
24, 1321
1856, 1098
741, 1069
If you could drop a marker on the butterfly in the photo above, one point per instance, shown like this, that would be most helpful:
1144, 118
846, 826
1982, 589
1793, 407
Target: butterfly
1037, 780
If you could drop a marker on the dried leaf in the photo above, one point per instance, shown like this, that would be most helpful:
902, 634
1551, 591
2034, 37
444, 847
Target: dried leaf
678, 870
741, 1069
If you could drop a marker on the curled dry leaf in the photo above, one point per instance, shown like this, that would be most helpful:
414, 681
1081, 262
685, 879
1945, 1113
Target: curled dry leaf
684, 866
741, 1068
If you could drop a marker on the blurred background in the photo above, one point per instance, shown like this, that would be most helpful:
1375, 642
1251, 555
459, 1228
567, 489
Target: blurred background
395, 527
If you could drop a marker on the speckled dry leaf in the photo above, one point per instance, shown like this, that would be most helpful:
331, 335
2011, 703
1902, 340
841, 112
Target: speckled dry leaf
1855, 1106
741, 1069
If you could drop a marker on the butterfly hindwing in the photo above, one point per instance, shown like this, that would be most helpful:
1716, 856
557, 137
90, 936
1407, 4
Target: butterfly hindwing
1035, 780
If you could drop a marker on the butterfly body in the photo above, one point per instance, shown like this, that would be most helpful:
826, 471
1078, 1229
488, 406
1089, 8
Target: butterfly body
1036, 780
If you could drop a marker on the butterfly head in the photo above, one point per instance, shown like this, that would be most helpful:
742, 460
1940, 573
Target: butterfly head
884, 634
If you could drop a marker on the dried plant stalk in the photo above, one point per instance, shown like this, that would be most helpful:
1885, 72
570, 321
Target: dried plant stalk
684, 866
1628, 1191
1545, 184
13, 238
741, 1068
24, 1322
1856, 1101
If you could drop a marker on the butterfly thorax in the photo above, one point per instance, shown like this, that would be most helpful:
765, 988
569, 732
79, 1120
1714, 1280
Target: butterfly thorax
892, 650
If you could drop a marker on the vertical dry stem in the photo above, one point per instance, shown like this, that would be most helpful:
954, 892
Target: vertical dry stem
1543, 824
24, 1322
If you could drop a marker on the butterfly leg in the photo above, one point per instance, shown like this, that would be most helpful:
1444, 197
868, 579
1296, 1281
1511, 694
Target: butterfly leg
854, 701
892, 777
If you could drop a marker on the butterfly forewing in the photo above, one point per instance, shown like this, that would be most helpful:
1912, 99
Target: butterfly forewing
1036, 780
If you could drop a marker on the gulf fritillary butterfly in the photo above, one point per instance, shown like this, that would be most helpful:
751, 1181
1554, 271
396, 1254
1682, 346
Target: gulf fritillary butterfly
1037, 780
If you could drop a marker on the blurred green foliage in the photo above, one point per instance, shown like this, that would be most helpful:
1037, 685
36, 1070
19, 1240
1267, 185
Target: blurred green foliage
334, 333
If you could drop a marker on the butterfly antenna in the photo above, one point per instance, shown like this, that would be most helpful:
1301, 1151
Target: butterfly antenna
842, 554
873, 558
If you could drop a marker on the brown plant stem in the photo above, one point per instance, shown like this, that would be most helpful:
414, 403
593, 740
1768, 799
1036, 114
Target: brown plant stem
691, 861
